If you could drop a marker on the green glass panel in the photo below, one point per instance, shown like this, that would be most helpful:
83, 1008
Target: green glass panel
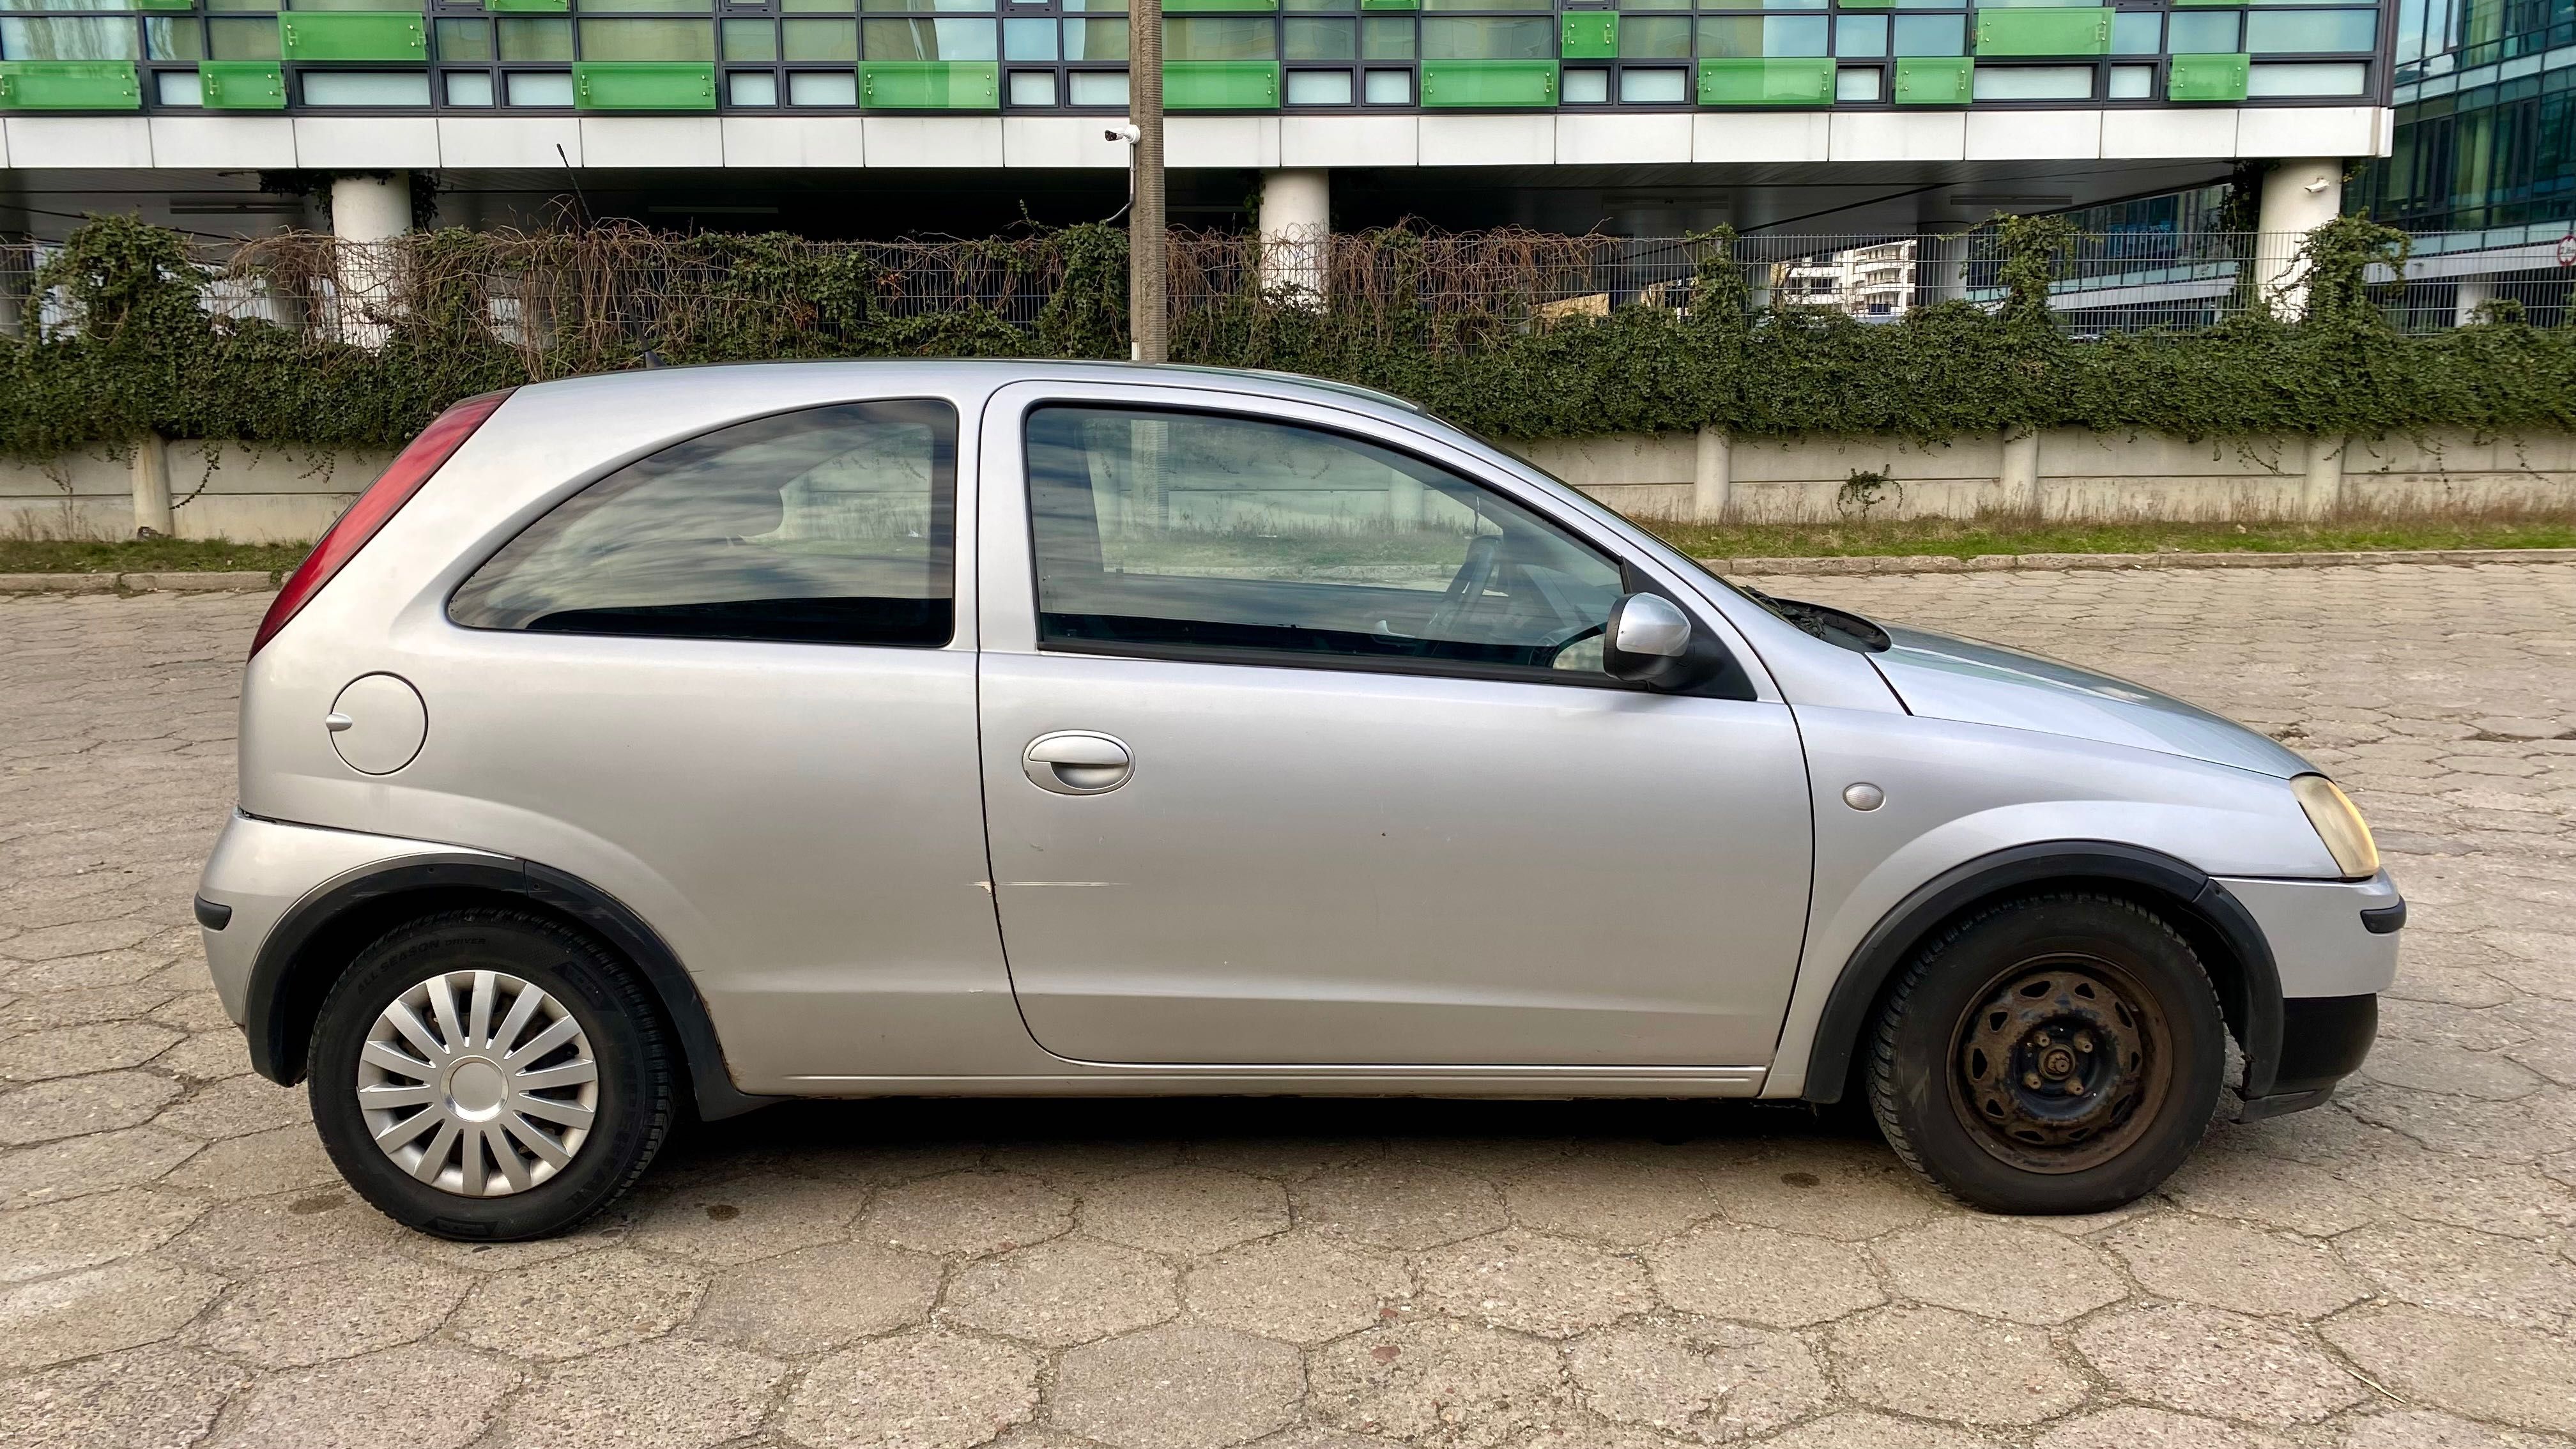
165, 4
2207, 78
242, 39
1095, 40
1488, 4
1588, 34
1221, 85
930, 85
463, 39
179, 39
243, 85
643, 86
528, 7
2044, 32
1390, 4
1387, 38
534, 39
1655, 37
1489, 82
928, 40
305, 36
1335, 6
1453, 38
69, 85
655, 7
819, 40
750, 40
93, 38
413, 6
1220, 37
1304, 39
1187, 7
2294, 32
694, 40
1933, 81
1744, 81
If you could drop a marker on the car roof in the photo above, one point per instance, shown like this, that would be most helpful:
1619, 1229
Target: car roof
996, 372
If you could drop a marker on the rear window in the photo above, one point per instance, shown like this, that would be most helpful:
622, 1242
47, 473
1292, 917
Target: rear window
832, 525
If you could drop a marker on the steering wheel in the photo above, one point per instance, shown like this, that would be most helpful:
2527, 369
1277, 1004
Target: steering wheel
1474, 572
1563, 639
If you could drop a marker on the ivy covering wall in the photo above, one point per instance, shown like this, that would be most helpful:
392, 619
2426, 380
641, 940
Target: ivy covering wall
128, 349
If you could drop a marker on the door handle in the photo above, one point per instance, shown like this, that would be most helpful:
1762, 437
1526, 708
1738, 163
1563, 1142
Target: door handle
1076, 762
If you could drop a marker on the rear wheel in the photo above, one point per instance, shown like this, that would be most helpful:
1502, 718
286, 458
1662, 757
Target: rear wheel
490, 1074
2056, 1054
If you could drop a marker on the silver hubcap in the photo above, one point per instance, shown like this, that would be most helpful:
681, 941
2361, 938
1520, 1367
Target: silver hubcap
478, 1083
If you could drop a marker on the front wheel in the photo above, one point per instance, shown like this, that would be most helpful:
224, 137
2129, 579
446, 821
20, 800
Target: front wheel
490, 1074
2056, 1054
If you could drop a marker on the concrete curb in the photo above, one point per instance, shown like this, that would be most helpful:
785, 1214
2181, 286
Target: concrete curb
175, 581
2064, 562
184, 582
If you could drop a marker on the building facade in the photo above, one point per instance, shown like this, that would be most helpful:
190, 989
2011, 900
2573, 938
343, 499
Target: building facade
880, 117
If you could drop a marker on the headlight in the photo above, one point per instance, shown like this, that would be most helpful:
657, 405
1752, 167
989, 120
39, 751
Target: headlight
2338, 825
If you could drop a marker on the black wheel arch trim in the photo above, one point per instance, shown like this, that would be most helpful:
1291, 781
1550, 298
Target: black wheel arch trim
2203, 905
280, 1033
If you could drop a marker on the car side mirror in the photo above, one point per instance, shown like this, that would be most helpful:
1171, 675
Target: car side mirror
1648, 641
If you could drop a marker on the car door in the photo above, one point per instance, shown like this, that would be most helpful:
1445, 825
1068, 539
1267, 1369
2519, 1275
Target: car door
729, 684
1297, 750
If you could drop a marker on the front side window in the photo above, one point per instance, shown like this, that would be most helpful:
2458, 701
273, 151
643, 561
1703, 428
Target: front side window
1226, 537
832, 525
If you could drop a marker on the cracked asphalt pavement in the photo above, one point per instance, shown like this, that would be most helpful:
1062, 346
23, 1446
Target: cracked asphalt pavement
180, 1266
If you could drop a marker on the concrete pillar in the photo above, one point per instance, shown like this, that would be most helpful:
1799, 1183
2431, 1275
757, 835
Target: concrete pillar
1713, 477
2475, 292
2021, 472
367, 210
1940, 270
1296, 232
2298, 197
152, 489
2321, 490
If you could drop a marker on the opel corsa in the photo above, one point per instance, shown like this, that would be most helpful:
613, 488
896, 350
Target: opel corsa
689, 739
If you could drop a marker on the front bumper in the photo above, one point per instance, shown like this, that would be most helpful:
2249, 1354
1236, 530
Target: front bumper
2323, 1039
2335, 945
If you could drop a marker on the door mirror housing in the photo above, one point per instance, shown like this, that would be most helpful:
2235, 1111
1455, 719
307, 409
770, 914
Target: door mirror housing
1649, 640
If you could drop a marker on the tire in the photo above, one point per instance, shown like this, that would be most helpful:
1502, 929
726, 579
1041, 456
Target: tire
473, 1090
2055, 1054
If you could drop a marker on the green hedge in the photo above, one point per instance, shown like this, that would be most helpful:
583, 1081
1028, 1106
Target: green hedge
146, 359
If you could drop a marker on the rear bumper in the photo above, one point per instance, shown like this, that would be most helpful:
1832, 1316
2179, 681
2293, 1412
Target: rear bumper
258, 871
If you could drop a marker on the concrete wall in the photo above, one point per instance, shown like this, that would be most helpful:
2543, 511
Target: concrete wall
2082, 475
268, 495
282, 494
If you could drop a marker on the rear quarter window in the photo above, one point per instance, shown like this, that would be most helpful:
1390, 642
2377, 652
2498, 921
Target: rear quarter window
827, 525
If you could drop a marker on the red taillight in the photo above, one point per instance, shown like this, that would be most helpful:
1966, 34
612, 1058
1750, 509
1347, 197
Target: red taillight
402, 478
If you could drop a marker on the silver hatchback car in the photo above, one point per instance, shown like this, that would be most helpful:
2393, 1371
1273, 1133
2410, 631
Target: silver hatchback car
683, 740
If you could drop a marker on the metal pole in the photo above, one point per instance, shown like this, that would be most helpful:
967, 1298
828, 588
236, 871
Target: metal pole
1148, 304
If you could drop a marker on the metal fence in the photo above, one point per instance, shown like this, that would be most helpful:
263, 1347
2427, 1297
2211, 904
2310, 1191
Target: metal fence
561, 298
